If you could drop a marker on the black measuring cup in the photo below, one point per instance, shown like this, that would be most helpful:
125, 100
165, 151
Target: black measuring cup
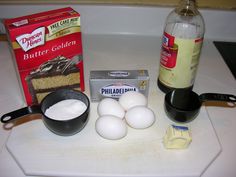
60, 127
183, 105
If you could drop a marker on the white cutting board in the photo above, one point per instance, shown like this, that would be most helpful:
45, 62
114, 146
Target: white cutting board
140, 153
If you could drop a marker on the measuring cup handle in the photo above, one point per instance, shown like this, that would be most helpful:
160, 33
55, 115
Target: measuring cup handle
19, 113
217, 97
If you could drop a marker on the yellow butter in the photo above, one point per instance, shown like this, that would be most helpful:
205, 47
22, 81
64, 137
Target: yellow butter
177, 137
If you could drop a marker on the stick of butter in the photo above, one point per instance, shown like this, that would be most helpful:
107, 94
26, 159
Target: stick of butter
177, 137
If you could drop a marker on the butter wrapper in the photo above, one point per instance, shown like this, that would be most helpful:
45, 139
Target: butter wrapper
177, 137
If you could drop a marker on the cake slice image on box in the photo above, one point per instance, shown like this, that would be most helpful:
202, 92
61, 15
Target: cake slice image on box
54, 74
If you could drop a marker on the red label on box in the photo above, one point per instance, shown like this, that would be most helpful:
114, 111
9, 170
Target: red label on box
48, 52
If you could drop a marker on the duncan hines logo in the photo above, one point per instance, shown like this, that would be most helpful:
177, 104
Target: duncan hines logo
29, 41
116, 90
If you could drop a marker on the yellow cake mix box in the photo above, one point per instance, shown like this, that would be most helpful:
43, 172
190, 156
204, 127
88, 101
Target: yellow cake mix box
48, 53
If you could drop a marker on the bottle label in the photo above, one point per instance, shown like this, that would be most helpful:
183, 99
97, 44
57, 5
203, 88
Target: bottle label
179, 61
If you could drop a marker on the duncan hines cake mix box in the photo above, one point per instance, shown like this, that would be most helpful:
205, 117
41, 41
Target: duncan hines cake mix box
48, 52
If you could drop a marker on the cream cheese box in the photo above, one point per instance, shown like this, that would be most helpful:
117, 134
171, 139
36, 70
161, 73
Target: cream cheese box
113, 83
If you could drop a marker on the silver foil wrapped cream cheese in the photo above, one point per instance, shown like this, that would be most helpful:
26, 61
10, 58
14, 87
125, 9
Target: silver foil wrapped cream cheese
113, 83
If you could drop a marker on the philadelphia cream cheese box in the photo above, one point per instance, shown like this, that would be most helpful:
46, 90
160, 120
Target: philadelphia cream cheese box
113, 83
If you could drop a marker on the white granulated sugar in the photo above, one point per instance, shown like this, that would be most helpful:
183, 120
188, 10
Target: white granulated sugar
66, 109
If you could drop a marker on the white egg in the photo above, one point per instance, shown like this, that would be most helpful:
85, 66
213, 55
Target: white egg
109, 106
131, 98
111, 127
140, 117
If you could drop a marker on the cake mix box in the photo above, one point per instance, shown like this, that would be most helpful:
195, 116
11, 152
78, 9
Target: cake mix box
47, 48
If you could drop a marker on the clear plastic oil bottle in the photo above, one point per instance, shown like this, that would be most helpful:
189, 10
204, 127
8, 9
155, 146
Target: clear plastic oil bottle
181, 47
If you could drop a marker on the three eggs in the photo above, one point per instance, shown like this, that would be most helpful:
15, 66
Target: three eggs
114, 115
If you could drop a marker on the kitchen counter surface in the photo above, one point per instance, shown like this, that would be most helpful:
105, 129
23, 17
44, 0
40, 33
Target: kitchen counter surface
134, 52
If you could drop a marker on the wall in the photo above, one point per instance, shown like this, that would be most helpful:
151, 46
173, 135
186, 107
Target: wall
215, 4
140, 20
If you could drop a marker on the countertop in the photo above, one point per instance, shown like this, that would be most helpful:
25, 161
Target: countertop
135, 52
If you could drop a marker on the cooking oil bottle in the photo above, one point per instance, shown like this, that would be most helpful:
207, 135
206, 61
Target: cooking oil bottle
181, 47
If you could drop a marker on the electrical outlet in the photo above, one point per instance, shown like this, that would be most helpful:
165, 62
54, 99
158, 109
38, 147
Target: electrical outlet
2, 27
